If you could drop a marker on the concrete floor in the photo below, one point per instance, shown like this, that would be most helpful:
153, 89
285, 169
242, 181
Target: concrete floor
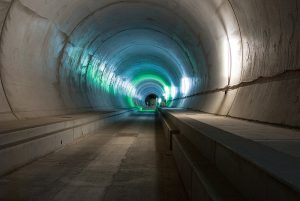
125, 161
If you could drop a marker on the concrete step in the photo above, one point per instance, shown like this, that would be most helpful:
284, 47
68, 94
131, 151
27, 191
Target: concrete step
169, 130
201, 178
257, 171
24, 141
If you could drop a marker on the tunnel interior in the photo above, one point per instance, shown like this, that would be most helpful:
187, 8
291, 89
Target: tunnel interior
61, 57
130, 50
175, 99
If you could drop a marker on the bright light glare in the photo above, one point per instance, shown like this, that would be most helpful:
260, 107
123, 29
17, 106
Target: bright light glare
173, 92
167, 93
236, 58
159, 101
86, 61
226, 59
185, 85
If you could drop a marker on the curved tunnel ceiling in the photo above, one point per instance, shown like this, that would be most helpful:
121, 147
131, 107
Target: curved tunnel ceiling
128, 45
226, 57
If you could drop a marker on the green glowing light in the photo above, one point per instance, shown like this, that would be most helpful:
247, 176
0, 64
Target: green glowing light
130, 101
99, 75
144, 77
152, 77
142, 109
146, 110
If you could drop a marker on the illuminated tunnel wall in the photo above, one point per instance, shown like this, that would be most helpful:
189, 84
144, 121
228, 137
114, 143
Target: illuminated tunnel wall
227, 57
129, 50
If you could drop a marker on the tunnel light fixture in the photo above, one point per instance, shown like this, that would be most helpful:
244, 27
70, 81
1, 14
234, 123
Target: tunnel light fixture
101, 66
86, 60
226, 58
234, 42
185, 85
173, 92
102, 77
232, 58
159, 101
167, 92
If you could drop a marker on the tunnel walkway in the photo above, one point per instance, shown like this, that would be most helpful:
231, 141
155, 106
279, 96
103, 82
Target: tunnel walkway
257, 161
124, 161
284, 140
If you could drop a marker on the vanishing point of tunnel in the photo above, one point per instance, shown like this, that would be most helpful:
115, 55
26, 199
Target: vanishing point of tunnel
149, 100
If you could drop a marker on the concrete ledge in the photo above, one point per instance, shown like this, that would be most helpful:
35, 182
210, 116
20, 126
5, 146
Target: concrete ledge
201, 179
21, 146
257, 171
169, 130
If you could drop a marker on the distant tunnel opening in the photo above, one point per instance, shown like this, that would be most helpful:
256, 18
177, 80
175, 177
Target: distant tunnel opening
151, 100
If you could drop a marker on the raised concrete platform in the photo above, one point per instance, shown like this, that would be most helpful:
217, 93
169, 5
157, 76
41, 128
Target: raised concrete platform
169, 130
23, 141
261, 161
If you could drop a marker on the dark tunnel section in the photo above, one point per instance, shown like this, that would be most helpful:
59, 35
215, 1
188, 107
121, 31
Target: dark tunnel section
151, 100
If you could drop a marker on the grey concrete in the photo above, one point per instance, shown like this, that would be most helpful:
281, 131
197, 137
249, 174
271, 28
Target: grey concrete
201, 178
259, 171
244, 55
125, 161
23, 141
235, 58
169, 130
281, 139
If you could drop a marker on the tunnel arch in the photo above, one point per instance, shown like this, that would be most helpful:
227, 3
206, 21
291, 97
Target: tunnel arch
64, 56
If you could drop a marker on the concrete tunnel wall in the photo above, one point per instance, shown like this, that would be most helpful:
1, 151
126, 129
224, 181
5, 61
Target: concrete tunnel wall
238, 58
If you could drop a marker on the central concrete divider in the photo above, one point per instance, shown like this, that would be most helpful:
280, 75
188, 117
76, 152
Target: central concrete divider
22, 145
210, 159
202, 180
169, 130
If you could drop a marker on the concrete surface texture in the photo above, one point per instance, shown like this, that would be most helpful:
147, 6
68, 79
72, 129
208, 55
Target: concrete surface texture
124, 161
228, 57
67, 64
261, 161
281, 139
23, 141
